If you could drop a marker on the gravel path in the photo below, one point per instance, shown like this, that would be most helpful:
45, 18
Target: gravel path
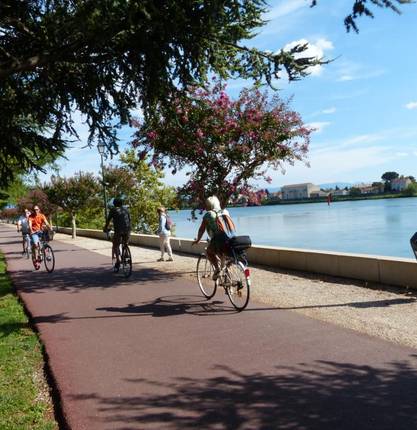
386, 312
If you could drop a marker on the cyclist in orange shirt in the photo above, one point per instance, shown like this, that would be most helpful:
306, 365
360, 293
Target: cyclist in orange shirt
37, 224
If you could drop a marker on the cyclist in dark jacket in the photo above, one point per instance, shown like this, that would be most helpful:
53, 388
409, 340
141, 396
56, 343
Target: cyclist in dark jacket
122, 227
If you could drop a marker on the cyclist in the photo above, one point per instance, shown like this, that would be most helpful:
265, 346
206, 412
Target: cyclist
122, 227
23, 226
37, 224
219, 226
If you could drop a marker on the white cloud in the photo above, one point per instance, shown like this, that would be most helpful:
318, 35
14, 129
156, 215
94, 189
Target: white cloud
411, 105
285, 8
318, 126
351, 71
329, 110
316, 50
401, 154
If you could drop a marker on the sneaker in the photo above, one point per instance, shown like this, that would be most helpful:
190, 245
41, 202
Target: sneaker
160, 259
170, 259
37, 266
116, 267
216, 275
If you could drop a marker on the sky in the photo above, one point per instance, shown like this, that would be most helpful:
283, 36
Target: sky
363, 104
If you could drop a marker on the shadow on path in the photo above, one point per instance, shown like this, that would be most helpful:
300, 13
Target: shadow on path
333, 396
75, 279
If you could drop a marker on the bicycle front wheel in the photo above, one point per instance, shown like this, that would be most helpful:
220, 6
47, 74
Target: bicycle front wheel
48, 258
205, 272
237, 284
126, 262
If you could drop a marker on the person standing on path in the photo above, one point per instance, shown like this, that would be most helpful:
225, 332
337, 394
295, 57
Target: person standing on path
164, 234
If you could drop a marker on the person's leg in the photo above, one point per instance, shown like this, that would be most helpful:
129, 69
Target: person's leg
24, 243
168, 247
35, 245
212, 256
116, 248
162, 247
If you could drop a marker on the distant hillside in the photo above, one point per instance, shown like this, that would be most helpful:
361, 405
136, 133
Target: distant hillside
330, 185
333, 185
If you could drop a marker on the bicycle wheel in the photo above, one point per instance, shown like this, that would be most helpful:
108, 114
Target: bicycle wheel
237, 284
48, 258
205, 272
126, 261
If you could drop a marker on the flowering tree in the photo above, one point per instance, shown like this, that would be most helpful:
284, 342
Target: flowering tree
74, 194
38, 197
225, 143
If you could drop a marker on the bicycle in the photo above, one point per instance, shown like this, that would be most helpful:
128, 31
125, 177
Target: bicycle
234, 274
46, 253
125, 257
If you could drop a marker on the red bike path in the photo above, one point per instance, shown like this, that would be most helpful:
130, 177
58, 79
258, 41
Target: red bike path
149, 352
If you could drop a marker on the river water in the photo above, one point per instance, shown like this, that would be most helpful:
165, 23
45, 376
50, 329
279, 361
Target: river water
377, 227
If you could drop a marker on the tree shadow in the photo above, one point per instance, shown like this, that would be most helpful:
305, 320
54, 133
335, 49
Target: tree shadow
9, 328
76, 279
359, 305
322, 395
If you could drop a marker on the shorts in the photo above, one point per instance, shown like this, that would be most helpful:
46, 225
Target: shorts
36, 237
121, 237
218, 243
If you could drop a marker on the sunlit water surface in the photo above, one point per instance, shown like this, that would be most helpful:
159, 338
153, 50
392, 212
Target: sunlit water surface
378, 227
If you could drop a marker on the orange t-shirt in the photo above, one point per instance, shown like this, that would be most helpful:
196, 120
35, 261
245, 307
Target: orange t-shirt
37, 222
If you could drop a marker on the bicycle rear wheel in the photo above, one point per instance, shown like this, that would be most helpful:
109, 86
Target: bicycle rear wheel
48, 258
237, 284
126, 261
205, 272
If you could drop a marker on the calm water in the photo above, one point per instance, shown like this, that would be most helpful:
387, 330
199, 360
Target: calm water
379, 227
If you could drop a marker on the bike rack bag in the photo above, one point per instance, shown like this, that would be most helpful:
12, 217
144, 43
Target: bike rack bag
48, 235
240, 243
413, 242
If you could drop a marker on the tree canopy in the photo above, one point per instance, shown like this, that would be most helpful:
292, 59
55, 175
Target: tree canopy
389, 176
226, 143
105, 58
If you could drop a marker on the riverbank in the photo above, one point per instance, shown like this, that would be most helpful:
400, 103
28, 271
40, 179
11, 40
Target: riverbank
335, 199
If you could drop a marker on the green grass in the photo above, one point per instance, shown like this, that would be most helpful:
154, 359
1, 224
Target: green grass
24, 397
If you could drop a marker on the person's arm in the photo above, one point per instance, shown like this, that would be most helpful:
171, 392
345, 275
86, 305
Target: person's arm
201, 231
109, 218
46, 223
30, 225
19, 224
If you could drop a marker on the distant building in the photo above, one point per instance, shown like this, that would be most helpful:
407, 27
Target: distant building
368, 189
400, 184
299, 191
340, 192
318, 194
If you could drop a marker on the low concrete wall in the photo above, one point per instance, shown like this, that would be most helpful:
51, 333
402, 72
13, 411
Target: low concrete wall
384, 270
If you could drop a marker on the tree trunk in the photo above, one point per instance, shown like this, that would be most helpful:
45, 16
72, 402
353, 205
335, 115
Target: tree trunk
74, 226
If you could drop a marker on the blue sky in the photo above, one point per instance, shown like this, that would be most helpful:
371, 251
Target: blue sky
363, 104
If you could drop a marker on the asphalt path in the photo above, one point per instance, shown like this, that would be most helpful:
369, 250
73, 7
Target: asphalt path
149, 352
